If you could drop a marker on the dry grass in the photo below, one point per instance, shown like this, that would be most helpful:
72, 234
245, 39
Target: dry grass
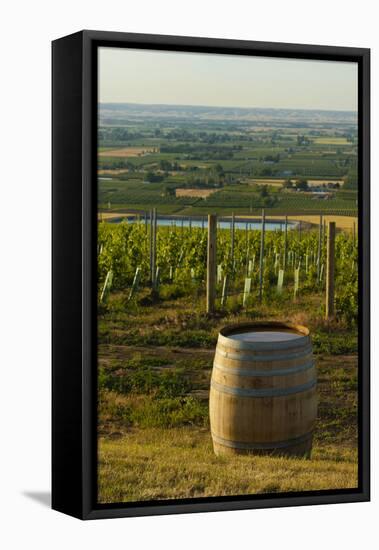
180, 463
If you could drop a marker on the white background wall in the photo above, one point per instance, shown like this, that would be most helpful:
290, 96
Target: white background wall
27, 29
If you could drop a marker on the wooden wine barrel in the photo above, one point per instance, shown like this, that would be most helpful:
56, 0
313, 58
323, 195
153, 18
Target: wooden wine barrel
263, 390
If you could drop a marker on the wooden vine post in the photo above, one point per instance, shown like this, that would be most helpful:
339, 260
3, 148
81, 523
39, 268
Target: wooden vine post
262, 256
329, 304
232, 225
150, 244
247, 248
211, 263
153, 247
319, 249
285, 244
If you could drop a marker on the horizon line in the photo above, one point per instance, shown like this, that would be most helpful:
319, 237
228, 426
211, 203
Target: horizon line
227, 107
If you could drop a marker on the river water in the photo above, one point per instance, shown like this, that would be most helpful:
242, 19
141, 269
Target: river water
222, 223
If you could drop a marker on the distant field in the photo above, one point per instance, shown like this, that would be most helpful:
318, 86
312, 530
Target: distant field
267, 181
279, 182
317, 183
201, 193
345, 223
106, 216
331, 140
127, 152
113, 171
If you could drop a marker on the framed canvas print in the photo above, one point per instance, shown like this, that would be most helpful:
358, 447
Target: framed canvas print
210, 274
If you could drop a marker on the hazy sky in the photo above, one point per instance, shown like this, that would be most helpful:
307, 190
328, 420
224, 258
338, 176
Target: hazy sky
148, 76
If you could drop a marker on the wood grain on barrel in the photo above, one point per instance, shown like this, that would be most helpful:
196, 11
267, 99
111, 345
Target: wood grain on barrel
263, 394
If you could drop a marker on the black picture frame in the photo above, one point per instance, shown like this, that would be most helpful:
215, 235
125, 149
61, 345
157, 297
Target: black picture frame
74, 133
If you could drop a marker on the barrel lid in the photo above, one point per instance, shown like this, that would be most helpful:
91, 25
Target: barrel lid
277, 343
